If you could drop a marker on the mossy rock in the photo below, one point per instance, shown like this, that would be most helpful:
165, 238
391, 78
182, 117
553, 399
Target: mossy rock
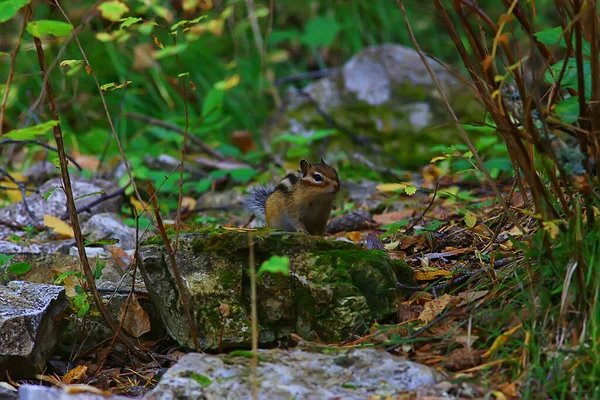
334, 288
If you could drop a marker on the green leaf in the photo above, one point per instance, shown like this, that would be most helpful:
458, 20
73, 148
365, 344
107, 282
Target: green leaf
70, 63
470, 219
9, 8
4, 258
168, 51
109, 87
275, 265
553, 37
32, 131
49, 27
113, 10
100, 264
212, 101
186, 22
243, 174
19, 268
201, 379
203, 185
410, 190
127, 22
568, 110
393, 228
320, 31
60, 278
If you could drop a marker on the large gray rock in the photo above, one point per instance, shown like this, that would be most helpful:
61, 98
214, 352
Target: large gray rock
294, 374
28, 328
334, 288
383, 94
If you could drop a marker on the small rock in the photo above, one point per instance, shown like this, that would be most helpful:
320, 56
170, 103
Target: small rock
28, 328
462, 358
109, 226
40, 172
56, 203
37, 392
293, 374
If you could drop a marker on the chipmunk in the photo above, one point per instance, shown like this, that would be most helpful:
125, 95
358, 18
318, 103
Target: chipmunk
300, 202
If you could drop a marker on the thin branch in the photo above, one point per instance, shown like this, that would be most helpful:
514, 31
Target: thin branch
64, 170
304, 76
101, 199
11, 70
21, 187
44, 145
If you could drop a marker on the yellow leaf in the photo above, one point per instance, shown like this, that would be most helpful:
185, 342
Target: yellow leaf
392, 187
139, 207
228, 83
12, 189
430, 275
500, 340
278, 56
470, 219
551, 227
59, 226
438, 158
391, 246
188, 202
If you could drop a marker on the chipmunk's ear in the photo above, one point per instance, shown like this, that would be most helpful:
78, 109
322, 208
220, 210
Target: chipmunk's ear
305, 166
323, 161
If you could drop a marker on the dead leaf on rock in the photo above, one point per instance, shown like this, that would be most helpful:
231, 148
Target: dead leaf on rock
136, 321
395, 216
75, 374
59, 226
433, 308
430, 275
354, 236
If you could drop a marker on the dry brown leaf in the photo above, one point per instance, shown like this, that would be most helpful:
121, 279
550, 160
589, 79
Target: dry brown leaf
86, 161
188, 202
243, 140
59, 226
354, 236
430, 275
433, 308
462, 358
136, 321
395, 216
472, 295
75, 374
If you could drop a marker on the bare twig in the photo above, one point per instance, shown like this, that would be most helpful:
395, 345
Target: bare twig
89, 276
101, 199
21, 187
304, 76
426, 209
44, 145
183, 293
11, 70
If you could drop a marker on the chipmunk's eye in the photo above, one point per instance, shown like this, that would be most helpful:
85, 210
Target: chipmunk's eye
318, 177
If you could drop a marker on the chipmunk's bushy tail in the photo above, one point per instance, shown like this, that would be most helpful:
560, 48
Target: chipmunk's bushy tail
256, 200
